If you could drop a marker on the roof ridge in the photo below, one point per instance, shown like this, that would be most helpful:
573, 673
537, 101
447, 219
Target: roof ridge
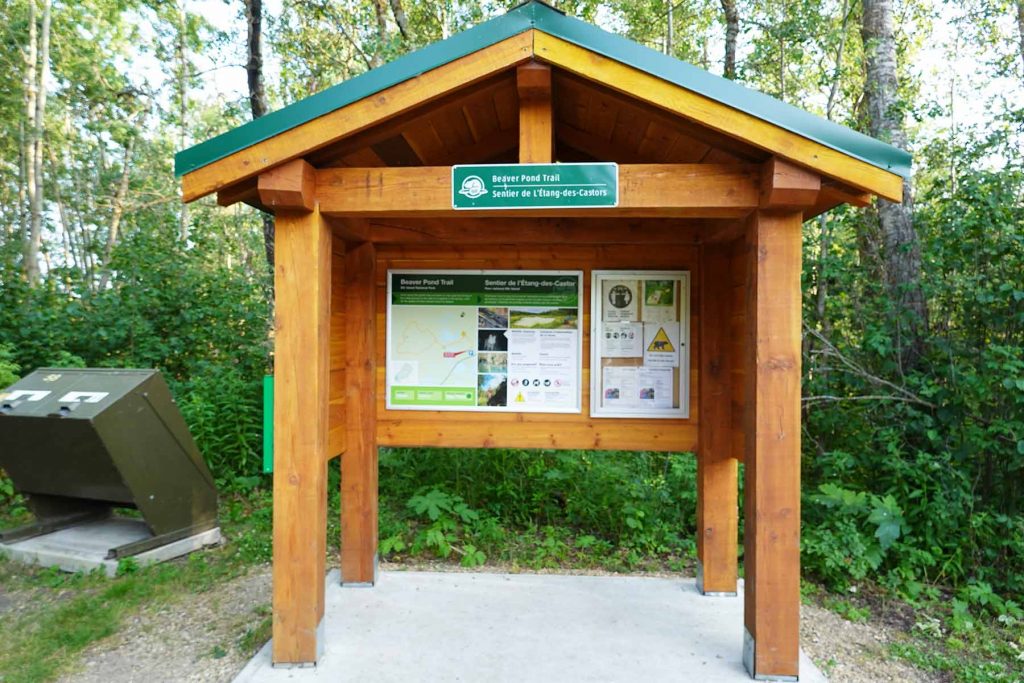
537, 14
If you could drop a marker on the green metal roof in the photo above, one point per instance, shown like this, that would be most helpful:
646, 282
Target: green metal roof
535, 14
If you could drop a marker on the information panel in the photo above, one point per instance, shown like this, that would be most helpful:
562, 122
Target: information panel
640, 338
504, 341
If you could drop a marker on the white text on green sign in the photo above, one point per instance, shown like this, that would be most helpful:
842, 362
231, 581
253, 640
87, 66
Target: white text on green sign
535, 186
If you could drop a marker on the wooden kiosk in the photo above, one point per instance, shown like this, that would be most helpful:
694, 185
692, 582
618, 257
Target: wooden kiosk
713, 180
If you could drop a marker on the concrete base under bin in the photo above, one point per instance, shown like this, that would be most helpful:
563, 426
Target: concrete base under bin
84, 547
425, 626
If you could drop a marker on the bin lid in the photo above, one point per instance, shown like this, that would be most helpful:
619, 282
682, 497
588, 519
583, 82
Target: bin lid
72, 393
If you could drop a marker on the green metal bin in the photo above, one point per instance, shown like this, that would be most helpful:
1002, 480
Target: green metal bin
80, 442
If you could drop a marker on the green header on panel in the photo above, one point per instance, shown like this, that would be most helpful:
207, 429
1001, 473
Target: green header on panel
454, 289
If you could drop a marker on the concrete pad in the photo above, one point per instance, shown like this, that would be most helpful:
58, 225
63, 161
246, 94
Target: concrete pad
427, 626
84, 547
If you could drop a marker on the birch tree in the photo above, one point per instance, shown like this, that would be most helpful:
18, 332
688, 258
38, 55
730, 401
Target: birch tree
37, 72
901, 250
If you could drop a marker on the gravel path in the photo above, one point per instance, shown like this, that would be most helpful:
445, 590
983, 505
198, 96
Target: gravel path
197, 638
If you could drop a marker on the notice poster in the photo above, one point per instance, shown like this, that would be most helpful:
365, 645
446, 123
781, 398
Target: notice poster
661, 345
622, 340
620, 300
659, 301
503, 341
640, 334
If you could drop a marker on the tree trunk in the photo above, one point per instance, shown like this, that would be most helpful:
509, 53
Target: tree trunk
901, 249
254, 63
732, 32
180, 57
669, 35
403, 21
258, 98
1020, 28
382, 32
37, 61
834, 89
117, 211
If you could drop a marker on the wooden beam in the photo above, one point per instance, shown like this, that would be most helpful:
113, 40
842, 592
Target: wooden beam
832, 195
301, 385
533, 431
717, 116
536, 137
772, 462
358, 116
359, 461
784, 185
523, 231
337, 426
290, 187
717, 484
244, 191
656, 190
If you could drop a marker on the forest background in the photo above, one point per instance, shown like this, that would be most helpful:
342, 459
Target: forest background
913, 388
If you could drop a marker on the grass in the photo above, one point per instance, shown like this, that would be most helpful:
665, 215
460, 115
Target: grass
984, 649
70, 612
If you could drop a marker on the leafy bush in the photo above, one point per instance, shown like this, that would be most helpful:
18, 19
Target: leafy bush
9, 369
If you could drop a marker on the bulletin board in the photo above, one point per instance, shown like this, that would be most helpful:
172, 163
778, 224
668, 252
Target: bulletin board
640, 343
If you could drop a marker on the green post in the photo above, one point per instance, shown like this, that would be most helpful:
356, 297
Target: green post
268, 424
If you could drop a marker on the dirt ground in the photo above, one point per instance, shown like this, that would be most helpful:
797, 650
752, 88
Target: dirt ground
198, 638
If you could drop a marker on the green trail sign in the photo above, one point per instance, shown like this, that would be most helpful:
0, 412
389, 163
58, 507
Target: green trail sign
535, 186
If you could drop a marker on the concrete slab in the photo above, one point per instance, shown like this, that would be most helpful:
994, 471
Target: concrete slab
84, 547
427, 626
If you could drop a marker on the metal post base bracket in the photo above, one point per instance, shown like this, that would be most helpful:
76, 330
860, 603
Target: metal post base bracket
749, 647
364, 584
710, 594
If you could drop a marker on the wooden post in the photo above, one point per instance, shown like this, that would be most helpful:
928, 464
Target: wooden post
301, 378
772, 453
717, 490
359, 461
536, 123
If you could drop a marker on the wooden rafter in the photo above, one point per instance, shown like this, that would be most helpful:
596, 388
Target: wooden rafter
717, 116
358, 116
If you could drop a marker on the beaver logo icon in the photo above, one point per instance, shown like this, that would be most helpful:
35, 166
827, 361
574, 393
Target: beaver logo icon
473, 187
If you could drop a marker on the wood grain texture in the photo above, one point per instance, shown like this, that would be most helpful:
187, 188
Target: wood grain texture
717, 116
691, 190
288, 187
536, 122
737, 344
786, 185
533, 231
445, 115
301, 397
357, 116
336, 425
772, 472
359, 461
717, 485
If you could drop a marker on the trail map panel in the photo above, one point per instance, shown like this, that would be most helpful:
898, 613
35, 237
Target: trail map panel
501, 341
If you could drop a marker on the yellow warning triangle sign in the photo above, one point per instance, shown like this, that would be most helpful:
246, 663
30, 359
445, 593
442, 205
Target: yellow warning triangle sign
661, 343
519, 398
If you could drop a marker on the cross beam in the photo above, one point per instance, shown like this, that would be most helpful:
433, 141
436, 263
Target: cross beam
653, 190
